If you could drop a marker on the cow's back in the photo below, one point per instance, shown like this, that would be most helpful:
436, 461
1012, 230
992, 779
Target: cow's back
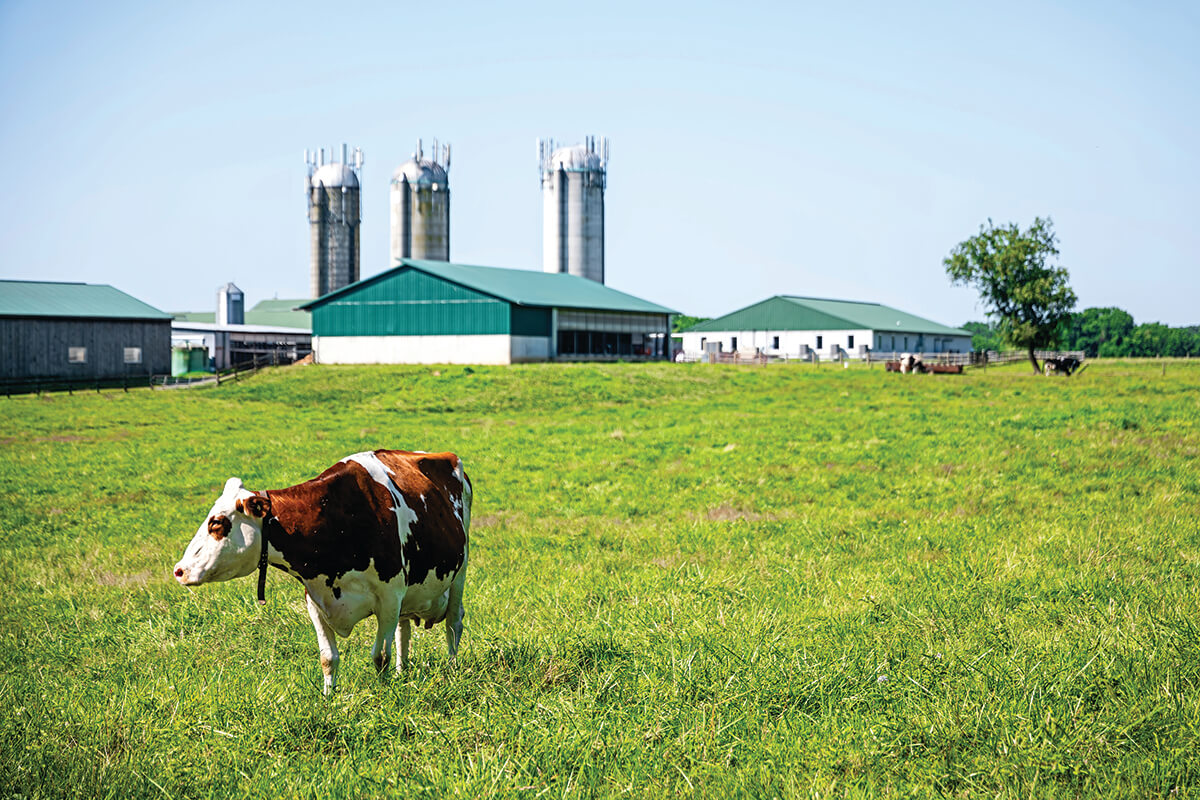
404, 511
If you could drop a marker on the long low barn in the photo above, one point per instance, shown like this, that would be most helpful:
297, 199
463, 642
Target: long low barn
79, 332
787, 325
437, 312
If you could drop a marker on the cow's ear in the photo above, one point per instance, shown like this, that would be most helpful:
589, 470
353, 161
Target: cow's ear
254, 506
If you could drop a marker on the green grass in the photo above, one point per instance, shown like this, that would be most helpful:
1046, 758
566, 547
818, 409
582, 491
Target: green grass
685, 580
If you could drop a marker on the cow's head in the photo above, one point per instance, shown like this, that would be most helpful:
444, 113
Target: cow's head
228, 542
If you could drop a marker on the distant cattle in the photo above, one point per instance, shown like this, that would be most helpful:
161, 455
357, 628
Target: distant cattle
1064, 365
381, 533
910, 362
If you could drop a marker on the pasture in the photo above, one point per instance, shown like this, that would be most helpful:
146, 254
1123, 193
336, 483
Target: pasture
687, 580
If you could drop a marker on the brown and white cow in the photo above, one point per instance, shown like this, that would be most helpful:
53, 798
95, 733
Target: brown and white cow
381, 533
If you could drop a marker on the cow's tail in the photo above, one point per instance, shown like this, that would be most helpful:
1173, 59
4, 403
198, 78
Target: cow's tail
467, 494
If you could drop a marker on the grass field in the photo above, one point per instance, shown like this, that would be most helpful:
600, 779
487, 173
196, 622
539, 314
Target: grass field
685, 580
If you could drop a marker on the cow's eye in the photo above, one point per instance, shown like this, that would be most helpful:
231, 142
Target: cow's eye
218, 527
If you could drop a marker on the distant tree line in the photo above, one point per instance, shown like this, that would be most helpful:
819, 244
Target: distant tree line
1104, 333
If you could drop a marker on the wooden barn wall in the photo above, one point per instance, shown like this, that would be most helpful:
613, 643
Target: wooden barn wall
37, 348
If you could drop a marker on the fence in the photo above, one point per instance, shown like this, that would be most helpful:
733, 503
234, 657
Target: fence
971, 359
11, 386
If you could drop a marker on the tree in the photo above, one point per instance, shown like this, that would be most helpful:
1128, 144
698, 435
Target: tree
984, 336
681, 322
1029, 300
1096, 329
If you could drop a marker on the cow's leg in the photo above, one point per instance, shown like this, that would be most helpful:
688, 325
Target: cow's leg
388, 616
327, 641
454, 611
404, 632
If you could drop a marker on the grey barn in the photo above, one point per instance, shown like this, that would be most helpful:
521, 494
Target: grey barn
79, 331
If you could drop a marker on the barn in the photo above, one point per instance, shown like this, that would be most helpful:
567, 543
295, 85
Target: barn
425, 312
792, 326
79, 332
272, 329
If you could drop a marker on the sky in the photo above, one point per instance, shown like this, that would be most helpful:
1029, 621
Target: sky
829, 150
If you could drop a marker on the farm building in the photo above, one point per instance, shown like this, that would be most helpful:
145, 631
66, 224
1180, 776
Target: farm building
423, 312
791, 326
271, 328
79, 331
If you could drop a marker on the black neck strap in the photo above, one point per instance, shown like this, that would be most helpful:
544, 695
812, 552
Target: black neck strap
262, 569
262, 561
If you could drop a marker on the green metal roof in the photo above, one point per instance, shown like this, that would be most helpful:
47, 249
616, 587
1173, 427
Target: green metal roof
520, 286
269, 313
790, 313
55, 299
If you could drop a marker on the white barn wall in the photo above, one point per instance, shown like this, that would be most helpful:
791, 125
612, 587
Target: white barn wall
475, 349
790, 341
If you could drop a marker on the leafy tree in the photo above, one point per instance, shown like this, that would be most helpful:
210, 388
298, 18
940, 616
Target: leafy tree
1100, 329
984, 336
1029, 300
682, 322
1149, 339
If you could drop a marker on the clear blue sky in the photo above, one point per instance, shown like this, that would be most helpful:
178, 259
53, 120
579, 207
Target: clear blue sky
832, 150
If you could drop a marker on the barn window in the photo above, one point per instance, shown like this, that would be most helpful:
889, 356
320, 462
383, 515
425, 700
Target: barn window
819, 340
849, 342
733, 343
775, 342
77, 355
133, 355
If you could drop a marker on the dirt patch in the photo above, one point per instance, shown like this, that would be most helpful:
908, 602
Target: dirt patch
107, 578
487, 520
35, 439
727, 513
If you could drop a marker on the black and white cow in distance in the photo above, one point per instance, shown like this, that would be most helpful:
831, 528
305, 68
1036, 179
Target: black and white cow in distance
1064, 365
911, 363
381, 533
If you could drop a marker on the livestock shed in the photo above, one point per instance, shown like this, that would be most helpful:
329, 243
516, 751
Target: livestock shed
79, 332
428, 312
797, 327
273, 328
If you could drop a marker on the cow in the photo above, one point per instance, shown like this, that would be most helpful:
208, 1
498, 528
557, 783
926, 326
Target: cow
382, 532
911, 363
1064, 365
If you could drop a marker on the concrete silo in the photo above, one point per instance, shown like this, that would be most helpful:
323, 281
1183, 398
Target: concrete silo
420, 206
573, 207
333, 218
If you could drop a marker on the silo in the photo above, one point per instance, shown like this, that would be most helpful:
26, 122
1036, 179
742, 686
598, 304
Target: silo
420, 206
573, 180
230, 305
333, 218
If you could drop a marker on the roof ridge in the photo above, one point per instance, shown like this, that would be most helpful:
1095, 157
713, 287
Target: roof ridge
56, 283
830, 300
